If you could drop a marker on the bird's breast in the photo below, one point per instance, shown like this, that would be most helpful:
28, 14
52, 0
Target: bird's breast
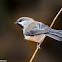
36, 38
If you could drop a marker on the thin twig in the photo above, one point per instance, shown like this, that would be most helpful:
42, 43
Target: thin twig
45, 36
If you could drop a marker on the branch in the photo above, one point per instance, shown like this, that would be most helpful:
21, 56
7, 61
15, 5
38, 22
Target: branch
45, 36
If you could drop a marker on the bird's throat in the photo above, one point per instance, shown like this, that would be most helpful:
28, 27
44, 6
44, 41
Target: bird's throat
21, 26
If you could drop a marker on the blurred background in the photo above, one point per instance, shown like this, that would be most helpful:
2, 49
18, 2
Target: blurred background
13, 46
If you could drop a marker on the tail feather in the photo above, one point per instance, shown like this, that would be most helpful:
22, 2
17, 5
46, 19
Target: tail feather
55, 34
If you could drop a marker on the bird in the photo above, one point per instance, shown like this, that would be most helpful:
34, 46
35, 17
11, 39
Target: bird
36, 31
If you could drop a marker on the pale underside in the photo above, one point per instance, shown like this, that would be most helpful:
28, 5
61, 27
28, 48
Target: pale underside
36, 38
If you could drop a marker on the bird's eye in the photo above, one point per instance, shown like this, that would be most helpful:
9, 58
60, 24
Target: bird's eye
20, 20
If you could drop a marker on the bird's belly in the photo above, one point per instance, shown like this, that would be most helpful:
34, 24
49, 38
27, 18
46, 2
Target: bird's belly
26, 37
36, 38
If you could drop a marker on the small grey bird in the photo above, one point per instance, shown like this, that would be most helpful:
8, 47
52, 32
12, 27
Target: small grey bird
33, 28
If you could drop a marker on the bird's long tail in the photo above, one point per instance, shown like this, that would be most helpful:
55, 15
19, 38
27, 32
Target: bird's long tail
55, 34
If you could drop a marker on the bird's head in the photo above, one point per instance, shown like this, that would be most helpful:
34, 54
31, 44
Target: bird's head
24, 21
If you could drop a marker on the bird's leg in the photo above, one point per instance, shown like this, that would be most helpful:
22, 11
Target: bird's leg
37, 46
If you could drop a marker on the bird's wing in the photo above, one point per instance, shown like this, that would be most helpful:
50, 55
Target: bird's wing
40, 28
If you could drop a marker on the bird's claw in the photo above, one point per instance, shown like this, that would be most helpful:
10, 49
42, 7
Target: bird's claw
38, 46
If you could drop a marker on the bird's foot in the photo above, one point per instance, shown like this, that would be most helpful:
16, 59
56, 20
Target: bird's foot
38, 46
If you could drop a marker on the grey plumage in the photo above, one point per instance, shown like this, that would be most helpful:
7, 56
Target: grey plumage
32, 27
55, 34
41, 28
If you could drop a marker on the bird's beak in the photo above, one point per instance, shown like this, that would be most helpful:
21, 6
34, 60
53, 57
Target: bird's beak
15, 22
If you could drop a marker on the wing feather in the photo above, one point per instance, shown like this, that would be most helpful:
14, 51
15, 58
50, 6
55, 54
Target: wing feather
40, 28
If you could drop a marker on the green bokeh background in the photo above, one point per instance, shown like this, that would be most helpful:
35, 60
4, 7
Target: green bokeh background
13, 46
